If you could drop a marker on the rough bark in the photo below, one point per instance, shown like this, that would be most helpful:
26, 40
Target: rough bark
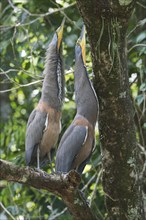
63, 185
106, 23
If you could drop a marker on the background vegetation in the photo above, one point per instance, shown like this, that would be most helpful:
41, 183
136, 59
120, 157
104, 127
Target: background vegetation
27, 28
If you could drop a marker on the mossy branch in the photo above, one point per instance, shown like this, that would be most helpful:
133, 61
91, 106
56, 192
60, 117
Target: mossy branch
63, 185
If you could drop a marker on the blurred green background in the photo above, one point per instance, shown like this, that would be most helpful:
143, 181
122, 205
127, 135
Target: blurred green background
26, 29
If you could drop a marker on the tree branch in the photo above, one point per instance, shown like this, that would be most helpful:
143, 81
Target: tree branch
63, 185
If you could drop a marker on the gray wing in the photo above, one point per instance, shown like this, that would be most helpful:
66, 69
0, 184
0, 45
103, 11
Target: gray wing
34, 132
69, 147
83, 164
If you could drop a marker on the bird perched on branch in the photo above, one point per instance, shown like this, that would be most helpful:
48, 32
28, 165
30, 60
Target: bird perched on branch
77, 143
43, 125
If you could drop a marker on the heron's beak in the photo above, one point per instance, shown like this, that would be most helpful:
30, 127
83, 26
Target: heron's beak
59, 33
82, 42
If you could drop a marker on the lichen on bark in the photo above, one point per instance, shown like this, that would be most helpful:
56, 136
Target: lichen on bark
124, 2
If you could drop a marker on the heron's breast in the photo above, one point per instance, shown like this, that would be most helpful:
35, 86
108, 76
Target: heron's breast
50, 135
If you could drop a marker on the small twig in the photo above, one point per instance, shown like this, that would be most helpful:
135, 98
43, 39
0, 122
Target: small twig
6, 210
136, 45
20, 86
4, 10
18, 70
58, 214
138, 124
140, 4
9, 70
44, 14
11, 80
65, 15
95, 188
139, 24
90, 180
33, 15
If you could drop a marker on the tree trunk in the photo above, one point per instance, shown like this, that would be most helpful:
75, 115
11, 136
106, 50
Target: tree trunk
106, 23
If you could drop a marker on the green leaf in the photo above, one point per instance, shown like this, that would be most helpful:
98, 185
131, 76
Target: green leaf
144, 126
141, 37
143, 87
140, 99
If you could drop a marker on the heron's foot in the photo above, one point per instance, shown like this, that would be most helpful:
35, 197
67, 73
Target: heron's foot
43, 173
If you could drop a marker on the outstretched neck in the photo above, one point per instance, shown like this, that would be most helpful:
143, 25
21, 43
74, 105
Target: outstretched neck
86, 99
53, 85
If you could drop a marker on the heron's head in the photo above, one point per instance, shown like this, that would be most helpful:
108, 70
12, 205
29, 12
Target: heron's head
57, 38
81, 46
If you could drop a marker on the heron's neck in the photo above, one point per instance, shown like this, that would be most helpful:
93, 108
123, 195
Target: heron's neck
53, 85
85, 96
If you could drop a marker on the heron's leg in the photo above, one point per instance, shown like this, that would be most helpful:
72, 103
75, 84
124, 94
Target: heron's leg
38, 163
38, 158
50, 161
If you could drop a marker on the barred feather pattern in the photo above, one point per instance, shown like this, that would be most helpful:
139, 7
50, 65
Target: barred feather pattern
59, 80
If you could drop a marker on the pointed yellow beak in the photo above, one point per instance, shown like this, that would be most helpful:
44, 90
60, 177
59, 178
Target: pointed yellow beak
59, 33
82, 42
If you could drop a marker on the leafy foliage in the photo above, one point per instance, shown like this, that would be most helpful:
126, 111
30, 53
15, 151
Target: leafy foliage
26, 29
